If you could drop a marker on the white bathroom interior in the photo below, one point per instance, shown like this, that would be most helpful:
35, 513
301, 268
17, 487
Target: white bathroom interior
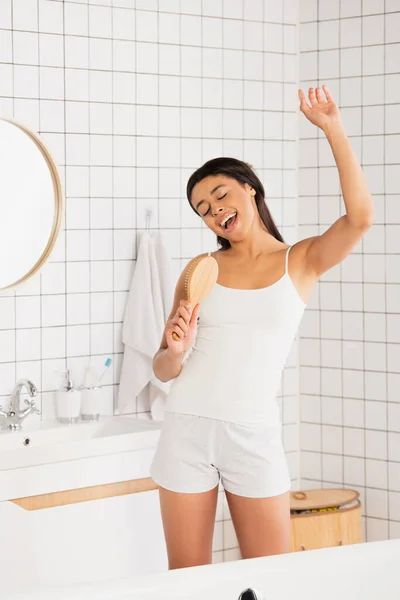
107, 107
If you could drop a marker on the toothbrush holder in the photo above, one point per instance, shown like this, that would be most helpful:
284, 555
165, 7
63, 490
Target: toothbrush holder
91, 403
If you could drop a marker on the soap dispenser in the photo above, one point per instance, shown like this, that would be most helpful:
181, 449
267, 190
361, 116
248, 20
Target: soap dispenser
67, 400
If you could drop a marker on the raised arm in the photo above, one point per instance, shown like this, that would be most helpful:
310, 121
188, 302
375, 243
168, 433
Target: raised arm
327, 250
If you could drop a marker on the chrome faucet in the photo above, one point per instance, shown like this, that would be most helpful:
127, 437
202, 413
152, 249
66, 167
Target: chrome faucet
14, 416
251, 594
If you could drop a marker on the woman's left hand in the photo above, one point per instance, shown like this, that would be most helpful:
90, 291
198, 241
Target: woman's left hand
323, 111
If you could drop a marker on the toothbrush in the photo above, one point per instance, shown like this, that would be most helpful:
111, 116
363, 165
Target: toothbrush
90, 376
106, 365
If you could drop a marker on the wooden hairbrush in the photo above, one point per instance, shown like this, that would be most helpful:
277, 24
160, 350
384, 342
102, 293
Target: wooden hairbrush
201, 275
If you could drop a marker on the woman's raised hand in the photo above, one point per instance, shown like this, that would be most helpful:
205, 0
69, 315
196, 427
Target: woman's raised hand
321, 109
184, 323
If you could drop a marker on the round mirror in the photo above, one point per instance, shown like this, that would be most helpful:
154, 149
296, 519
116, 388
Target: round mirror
31, 203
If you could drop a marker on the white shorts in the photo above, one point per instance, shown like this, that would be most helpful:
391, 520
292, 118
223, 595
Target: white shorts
194, 453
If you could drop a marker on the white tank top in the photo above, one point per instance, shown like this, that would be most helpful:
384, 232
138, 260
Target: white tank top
234, 370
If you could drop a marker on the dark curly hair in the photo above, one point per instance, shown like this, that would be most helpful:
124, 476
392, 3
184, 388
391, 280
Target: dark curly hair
243, 173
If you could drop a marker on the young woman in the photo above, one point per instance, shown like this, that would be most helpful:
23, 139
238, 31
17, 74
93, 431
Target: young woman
221, 419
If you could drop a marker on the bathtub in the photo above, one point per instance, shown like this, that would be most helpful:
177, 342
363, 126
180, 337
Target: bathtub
359, 572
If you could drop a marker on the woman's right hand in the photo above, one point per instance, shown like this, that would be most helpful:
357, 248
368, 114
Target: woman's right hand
183, 323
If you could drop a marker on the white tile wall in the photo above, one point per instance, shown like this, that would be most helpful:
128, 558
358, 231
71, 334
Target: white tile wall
131, 96
349, 342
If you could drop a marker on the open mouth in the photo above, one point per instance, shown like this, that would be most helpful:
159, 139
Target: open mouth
229, 222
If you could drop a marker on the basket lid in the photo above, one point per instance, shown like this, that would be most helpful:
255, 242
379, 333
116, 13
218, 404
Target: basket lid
312, 499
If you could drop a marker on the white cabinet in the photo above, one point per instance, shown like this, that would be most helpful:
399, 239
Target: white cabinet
84, 541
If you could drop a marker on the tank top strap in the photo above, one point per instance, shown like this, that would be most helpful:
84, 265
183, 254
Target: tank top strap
287, 259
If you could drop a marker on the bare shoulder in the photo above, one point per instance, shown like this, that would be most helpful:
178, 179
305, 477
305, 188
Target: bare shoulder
217, 254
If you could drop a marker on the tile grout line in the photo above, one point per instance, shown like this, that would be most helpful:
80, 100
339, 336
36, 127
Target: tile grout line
388, 515
298, 218
363, 311
14, 294
341, 275
89, 172
65, 191
113, 366
40, 295
319, 285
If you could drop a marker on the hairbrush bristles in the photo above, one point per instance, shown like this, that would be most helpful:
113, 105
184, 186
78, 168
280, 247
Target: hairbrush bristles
201, 275
189, 271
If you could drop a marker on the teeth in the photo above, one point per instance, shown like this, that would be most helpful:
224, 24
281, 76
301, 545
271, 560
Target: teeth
227, 218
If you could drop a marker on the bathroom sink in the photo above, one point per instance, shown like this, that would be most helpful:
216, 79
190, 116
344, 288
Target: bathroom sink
54, 433
50, 442
358, 571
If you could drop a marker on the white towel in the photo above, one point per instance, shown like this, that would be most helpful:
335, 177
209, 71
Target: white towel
148, 307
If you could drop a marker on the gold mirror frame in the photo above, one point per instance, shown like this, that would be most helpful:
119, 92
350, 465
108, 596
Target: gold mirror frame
58, 204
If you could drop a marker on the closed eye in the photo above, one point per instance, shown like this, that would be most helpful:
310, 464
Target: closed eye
208, 210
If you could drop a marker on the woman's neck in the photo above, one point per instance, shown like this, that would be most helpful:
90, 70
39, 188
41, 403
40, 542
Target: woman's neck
257, 243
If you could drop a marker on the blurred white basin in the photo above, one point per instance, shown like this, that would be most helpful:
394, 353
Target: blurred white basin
50, 433
357, 572
51, 442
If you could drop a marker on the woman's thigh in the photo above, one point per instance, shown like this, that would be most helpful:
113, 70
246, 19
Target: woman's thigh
188, 521
262, 525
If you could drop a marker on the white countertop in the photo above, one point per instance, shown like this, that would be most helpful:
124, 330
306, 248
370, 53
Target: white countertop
64, 457
52, 442
358, 572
